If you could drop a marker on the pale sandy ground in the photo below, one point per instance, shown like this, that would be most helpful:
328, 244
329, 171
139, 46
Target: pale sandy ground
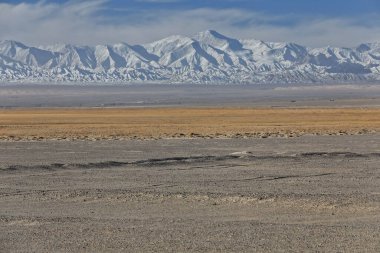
305, 194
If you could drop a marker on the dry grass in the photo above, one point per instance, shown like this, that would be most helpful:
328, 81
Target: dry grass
183, 122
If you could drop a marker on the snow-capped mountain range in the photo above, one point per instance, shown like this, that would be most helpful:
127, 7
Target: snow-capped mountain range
207, 57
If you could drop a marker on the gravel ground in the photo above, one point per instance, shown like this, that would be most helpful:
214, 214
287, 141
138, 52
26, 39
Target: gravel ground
312, 193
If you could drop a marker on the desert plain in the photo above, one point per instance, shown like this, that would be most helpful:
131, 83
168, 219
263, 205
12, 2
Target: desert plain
271, 175
157, 123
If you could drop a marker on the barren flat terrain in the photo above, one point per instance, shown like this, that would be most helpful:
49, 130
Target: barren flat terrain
152, 123
311, 193
159, 95
189, 169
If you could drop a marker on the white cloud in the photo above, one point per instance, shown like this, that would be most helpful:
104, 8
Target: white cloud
83, 22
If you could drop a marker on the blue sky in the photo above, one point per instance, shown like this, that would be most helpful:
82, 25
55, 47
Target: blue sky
305, 7
309, 22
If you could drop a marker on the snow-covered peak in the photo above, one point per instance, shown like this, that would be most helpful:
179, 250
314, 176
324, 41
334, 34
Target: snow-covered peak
174, 39
168, 43
11, 48
209, 35
207, 57
217, 40
11, 43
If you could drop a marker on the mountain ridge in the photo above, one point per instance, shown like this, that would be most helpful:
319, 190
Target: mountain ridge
207, 57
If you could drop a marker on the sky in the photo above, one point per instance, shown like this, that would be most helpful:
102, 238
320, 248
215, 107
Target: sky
314, 23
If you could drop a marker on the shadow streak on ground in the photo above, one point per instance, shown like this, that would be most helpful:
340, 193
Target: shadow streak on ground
187, 160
